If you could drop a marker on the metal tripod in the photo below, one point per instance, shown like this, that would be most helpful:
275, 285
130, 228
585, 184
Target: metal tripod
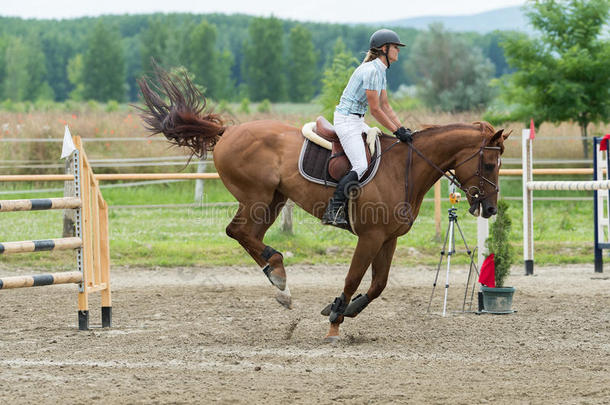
450, 242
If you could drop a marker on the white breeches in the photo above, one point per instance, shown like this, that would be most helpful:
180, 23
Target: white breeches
349, 129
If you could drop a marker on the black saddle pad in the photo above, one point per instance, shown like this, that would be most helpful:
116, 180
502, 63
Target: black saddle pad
313, 164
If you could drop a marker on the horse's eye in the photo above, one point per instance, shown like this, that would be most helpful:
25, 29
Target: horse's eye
489, 167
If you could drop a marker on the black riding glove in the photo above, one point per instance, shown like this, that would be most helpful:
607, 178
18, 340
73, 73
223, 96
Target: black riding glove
404, 134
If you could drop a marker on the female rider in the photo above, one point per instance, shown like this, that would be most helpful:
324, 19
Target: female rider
366, 87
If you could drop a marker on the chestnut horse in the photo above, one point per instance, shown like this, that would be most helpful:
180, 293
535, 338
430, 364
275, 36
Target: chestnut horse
257, 162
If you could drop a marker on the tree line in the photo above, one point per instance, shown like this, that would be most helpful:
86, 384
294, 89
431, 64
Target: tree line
229, 57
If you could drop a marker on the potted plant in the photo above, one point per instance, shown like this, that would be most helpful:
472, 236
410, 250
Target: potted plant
498, 299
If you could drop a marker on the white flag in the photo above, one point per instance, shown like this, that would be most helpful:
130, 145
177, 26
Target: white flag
68, 146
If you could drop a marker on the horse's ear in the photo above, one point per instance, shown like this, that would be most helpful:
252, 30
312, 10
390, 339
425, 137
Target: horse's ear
497, 136
507, 134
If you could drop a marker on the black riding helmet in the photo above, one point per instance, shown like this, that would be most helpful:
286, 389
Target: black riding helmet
383, 37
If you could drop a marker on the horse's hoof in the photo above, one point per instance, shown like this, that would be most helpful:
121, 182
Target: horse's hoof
326, 310
331, 339
284, 298
279, 282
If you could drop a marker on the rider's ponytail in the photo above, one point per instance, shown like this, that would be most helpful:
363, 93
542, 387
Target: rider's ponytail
372, 54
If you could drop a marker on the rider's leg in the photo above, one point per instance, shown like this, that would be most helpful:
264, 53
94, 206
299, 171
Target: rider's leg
335, 211
349, 130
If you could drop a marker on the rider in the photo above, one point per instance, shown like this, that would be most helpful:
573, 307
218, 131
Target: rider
366, 87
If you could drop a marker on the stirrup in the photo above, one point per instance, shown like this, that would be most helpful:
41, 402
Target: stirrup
335, 215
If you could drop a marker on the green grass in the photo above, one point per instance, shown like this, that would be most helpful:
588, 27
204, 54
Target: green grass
196, 236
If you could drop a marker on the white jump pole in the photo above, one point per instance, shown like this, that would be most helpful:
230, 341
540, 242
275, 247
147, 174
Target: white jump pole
528, 224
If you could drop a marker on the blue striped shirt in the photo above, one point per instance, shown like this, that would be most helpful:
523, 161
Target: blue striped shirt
367, 76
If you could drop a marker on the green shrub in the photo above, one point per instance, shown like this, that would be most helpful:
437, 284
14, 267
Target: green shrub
112, 106
498, 243
244, 107
223, 107
264, 106
93, 105
8, 105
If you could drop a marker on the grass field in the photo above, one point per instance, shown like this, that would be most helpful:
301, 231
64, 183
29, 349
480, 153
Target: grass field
196, 236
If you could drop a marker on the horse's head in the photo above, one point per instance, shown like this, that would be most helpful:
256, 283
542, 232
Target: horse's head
477, 171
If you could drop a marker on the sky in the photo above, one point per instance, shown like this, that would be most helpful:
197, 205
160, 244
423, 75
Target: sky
344, 11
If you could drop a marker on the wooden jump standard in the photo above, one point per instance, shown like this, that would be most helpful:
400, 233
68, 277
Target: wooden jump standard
90, 242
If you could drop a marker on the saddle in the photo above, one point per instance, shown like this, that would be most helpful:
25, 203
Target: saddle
323, 159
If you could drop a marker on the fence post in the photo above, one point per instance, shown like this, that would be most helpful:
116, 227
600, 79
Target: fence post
437, 210
287, 216
482, 235
70, 214
528, 204
201, 166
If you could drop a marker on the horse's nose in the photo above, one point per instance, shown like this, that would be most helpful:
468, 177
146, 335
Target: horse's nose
491, 210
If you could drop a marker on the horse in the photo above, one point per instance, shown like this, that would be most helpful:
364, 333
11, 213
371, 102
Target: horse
257, 162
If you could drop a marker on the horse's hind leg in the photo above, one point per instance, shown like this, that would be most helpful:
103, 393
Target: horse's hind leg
274, 267
249, 226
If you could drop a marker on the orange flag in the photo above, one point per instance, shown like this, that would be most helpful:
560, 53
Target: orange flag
487, 276
532, 129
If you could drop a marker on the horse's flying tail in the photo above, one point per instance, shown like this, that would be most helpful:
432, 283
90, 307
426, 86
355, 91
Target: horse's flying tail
182, 119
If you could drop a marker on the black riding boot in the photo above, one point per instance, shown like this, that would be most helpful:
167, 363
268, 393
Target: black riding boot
335, 211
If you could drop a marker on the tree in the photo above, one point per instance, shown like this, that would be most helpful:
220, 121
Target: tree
25, 71
565, 71
262, 66
210, 67
490, 45
450, 75
203, 57
176, 53
58, 49
302, 60
104, 65
75, 76
154, 44
3, 46
224, 84
498, 243
335, 78
132, 50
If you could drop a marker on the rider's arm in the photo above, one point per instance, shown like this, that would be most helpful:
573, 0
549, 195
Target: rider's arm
375, 106
387, 108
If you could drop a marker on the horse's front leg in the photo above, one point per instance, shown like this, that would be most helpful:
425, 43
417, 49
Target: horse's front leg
366, 250
381, 269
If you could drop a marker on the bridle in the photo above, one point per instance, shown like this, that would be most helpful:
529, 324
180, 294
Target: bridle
476, 193
479, 192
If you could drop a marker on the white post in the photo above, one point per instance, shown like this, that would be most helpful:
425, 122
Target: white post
69, 215
603, 202
482, 235
201, 165
528, 206
287, 216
